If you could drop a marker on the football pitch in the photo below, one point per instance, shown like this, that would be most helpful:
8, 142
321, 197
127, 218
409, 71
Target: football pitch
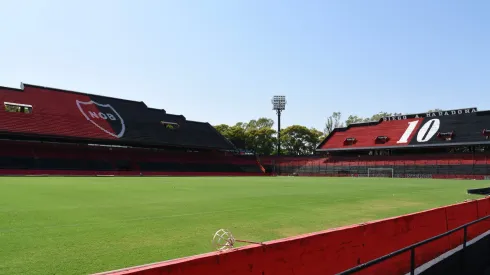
69, 225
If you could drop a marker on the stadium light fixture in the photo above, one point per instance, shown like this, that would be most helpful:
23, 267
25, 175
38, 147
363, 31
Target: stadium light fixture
279, 105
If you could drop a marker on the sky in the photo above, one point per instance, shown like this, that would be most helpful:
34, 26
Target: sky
221, 61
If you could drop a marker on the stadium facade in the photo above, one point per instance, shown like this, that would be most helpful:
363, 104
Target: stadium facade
442, 144
58, 132
51, 131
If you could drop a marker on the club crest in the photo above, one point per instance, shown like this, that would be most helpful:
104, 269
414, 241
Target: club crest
103, 116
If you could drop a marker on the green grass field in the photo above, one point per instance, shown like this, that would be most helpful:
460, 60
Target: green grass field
87, 225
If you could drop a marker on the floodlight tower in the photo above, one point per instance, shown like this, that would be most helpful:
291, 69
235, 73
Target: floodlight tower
279, 105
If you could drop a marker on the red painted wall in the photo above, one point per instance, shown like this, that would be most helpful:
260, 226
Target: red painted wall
22, 172
332, 251
422, 175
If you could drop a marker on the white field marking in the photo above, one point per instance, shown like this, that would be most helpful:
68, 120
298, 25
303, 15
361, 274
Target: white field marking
13, 230
447, 254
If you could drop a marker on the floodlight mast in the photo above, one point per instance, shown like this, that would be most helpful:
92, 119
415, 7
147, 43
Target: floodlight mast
279, 105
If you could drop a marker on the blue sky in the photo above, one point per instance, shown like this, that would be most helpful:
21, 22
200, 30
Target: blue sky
222, 61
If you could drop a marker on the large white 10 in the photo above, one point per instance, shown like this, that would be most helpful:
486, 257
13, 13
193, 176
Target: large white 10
428, 130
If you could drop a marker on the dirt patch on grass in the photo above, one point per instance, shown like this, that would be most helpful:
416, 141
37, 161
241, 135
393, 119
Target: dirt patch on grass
387, 204
284, 232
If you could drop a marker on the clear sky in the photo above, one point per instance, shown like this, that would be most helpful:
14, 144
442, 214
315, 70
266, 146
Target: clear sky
222, 61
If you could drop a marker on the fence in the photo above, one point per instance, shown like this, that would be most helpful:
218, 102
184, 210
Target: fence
403, 169
412, 248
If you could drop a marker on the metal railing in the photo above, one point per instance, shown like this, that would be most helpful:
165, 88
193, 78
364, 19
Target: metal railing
411, 248
401, 169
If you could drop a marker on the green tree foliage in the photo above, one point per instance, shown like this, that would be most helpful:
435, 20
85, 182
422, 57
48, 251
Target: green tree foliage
256, 135
261, 123
354, 119
376, 117
223, 129
299, 140
333, 121
320, 136
380, 115
259, 136
261, 141
235, 134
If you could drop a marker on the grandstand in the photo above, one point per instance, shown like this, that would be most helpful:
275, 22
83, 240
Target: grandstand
47, 131
443, 144
57, 132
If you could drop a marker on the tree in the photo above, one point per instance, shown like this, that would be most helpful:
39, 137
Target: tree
256, 135
222, 129
236, 135
261, 141
354, 119
380, 115
299, 140
376, 117
434, 111
333, 121
319, 136
259, 136
261, 123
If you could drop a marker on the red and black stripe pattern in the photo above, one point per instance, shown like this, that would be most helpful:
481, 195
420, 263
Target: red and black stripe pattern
77, 115
466, 128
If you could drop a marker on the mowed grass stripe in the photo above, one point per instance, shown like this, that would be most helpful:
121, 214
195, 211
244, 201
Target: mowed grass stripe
83, 225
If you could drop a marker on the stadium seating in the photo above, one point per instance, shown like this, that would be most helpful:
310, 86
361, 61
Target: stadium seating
66, 115
437, 129
43, 157
49, 131
366, 135
271, 162
421, 145
414, 165
59, 119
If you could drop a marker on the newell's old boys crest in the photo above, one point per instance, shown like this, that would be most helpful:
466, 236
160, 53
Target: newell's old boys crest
104, 116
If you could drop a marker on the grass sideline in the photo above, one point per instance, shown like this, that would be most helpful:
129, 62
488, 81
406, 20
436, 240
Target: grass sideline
67, 225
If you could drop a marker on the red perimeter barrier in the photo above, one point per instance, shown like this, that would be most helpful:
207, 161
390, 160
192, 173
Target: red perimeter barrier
385, 236
483, 211
466, 177
458, 215
326, 252
332, 251
422, 176
22, 172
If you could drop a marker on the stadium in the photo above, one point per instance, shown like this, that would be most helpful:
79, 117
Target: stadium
93, 184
